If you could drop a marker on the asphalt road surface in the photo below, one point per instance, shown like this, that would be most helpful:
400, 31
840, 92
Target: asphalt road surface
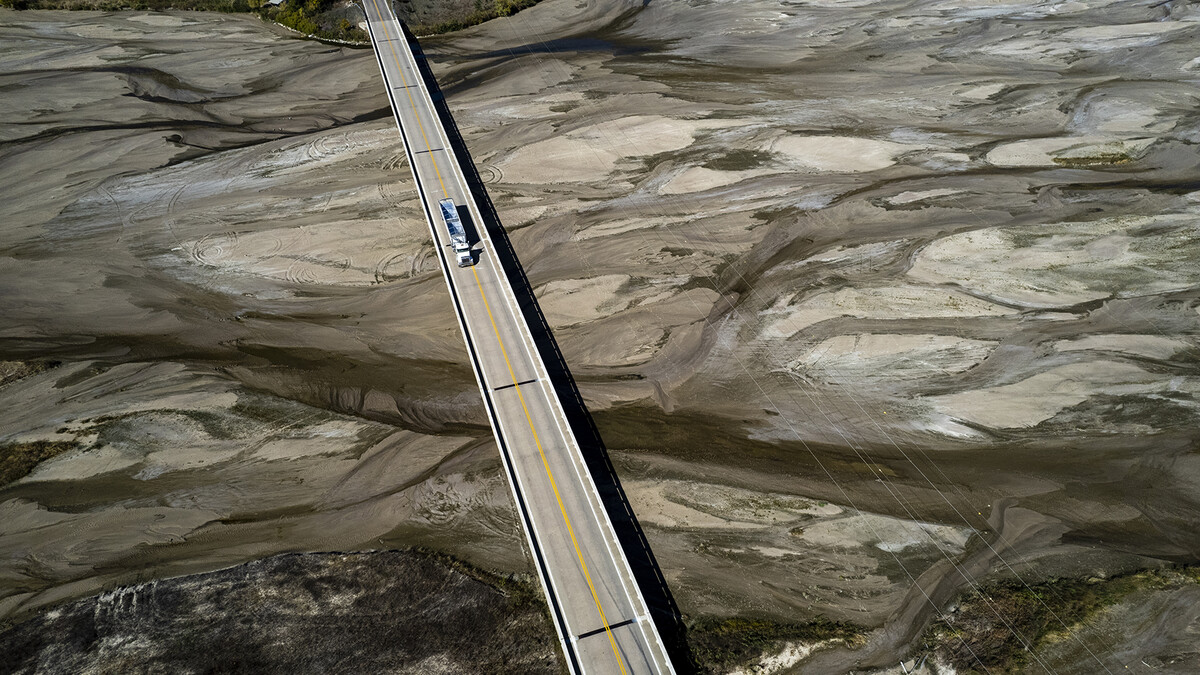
601, 617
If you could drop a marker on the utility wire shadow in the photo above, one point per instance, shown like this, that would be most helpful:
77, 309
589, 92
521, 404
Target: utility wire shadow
629, 532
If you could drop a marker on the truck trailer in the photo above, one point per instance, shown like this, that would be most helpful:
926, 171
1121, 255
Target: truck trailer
458, 236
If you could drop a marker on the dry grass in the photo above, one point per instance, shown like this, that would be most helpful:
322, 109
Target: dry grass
18, 459
973, 639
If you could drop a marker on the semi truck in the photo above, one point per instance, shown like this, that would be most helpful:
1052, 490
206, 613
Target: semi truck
458, 236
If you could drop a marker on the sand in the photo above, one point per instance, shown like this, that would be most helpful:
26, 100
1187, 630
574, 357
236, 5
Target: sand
577, 300
838, 154
916, 261
870, 359
1038, 398
1149, 346
1064, 264
194, 471
701, 179
1072, 151
912, 196
904, 302
591, 153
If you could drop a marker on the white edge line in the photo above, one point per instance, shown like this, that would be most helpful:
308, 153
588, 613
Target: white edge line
477, 368
609, 532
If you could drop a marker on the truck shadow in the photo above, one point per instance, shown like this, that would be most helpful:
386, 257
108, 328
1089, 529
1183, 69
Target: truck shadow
468, 223
633, 540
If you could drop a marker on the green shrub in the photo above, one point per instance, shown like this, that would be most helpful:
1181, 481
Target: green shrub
721, 644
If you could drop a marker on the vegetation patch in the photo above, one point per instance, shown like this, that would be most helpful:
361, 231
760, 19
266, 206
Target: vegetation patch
1099, 159
974, 639
18, 459
11, 371
325, 19
719, 645
320, 18
383, 612
483, 10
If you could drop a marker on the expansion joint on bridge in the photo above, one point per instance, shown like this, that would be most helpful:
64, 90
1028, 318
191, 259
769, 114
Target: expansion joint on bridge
517, 384
603, 629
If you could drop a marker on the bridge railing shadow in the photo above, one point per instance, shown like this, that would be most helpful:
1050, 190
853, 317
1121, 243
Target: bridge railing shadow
641, 558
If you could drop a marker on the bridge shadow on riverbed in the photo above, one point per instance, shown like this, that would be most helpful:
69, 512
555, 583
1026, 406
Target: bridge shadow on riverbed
633, 540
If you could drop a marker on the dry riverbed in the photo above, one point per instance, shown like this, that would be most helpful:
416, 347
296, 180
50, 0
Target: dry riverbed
872, 302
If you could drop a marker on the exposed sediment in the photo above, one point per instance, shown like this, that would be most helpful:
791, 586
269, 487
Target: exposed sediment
872, 301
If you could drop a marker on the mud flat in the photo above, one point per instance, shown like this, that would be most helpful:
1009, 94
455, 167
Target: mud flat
874, 303
949, 256
163, 185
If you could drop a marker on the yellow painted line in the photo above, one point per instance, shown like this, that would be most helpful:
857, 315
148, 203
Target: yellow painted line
413, 104
504, 352
550, 474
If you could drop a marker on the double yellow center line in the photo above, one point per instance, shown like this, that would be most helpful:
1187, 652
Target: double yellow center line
504, 352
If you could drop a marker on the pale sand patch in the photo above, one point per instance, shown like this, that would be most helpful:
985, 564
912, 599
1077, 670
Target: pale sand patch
1112, 114
772, 552
324, 150
20, 515
838, 154
160, 387
87, 538
945, 425
196, 453
592, 152
571, 301
654, 508
122, 34
871, 356
883, 532
81, 464
896, 302
660, 323
995, 8
837, 4
623, 225
791, 654
337, 253
858, 253
157, 20
533, 77
1080, 149
700, 179
945, 159
745, 506
984, 91
1035, 45
1122, 36
522, 215
1042, 396
1152, 346
1063, 264
309, 441
688, 504
911, 196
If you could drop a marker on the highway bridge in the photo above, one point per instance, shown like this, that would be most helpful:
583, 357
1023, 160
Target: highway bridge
602, 618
